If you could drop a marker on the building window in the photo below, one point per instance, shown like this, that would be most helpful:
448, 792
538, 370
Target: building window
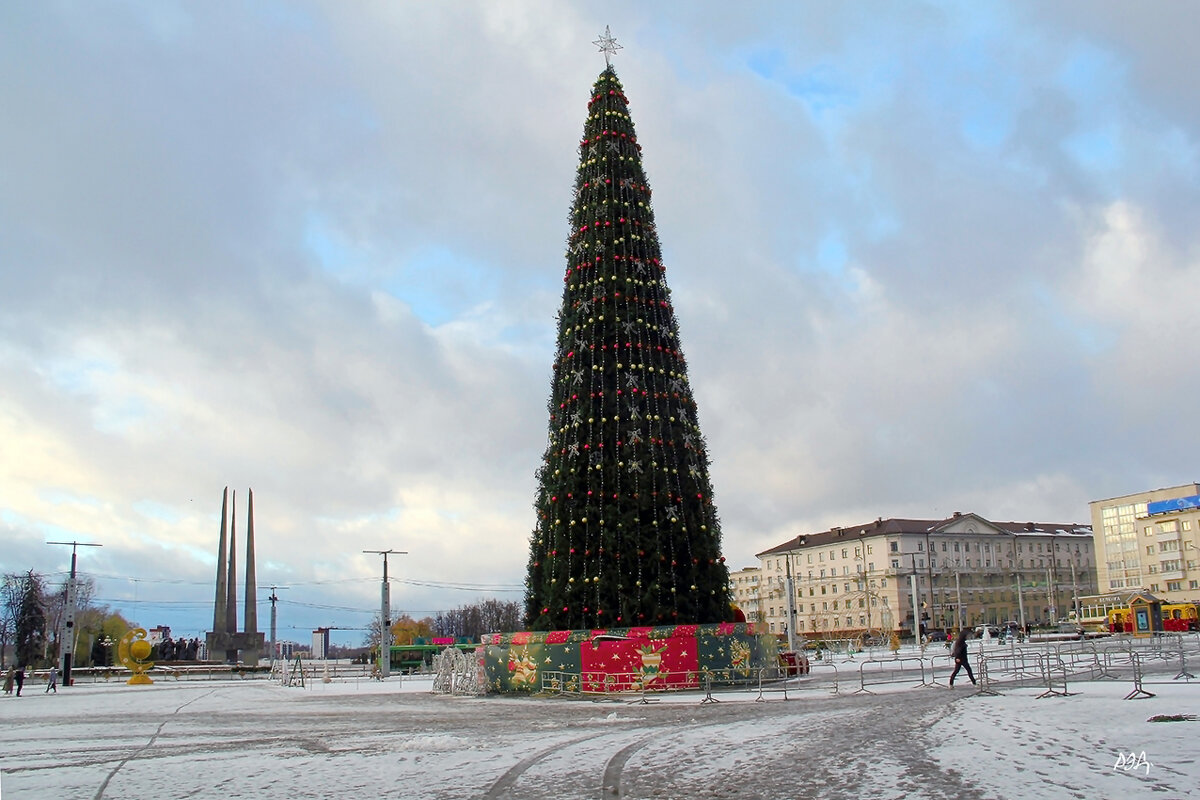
1174, 586
895, 546
895, 563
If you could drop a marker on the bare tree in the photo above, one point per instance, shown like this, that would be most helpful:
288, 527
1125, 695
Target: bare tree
474, 620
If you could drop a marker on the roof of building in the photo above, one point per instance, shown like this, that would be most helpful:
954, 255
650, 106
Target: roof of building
1187, 488
894, 526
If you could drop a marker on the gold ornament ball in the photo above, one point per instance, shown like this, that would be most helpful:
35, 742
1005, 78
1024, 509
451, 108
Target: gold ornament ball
140, 650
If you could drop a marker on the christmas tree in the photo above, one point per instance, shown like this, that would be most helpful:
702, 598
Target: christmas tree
627, 533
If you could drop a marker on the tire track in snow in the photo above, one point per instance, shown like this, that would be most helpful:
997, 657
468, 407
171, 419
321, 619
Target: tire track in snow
104, 785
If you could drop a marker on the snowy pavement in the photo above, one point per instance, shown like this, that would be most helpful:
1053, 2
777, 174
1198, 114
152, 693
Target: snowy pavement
360, 738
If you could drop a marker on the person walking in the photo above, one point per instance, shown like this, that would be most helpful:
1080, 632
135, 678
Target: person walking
959, 653
8, 681
52, 681
19, 677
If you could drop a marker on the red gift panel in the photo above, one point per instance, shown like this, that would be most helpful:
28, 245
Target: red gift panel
630, 663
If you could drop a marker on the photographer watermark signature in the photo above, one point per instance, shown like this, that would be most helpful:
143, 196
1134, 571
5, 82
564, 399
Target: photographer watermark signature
1132, 762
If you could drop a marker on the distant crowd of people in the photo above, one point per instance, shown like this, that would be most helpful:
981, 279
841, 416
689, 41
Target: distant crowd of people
178, 649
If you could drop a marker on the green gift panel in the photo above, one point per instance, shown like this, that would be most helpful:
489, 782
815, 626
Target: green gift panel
626, 659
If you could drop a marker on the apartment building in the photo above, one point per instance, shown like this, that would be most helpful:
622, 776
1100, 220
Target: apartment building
743, 585
963, 570
1150, 541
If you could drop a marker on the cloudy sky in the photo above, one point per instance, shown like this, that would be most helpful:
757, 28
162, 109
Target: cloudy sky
926, 258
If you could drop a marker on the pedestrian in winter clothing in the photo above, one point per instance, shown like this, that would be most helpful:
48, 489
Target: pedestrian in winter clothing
20, 679
959, 653
8, 681
52, 681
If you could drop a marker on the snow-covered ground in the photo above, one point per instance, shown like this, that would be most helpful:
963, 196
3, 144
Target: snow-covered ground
393, 739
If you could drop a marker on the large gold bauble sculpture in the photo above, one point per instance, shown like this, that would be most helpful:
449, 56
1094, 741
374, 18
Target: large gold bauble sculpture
133, 651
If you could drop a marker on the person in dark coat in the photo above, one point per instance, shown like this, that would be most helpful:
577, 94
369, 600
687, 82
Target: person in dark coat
20, 678
959, 653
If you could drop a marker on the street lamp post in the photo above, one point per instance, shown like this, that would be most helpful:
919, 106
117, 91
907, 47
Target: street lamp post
1021, 603
916, 606
66, 638
865, 579
385, 622
274, 599
1075, 594
791, 604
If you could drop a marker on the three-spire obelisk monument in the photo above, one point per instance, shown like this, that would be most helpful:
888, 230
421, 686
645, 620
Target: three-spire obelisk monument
224, 640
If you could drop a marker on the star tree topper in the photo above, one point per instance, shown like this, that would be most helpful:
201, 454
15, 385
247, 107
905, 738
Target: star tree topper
608, 45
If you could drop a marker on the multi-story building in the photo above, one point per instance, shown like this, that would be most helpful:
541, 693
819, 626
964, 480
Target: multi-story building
1148, 541
744, 587
320, 643
964, 570
158, 633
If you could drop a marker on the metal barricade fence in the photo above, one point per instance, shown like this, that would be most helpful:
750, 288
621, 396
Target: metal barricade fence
893, 670
1022, 664
1050, 665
